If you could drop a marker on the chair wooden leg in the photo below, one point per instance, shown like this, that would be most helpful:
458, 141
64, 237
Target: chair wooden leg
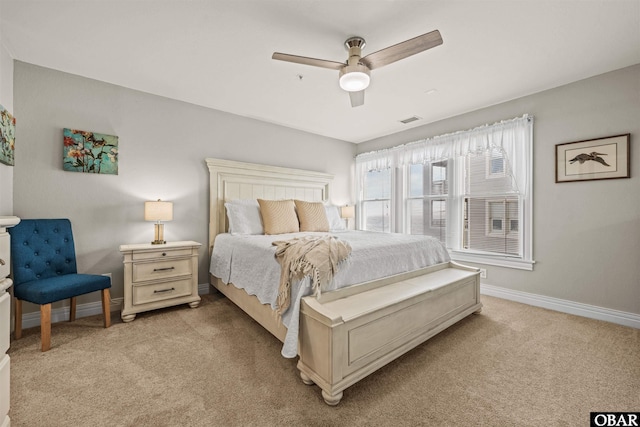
106, 307
45, 326
18, 322
72, 310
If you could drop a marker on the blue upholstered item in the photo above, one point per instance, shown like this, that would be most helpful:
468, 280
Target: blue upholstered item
44, 263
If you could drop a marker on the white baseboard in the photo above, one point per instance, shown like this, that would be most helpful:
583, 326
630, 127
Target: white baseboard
30, 320
564, 306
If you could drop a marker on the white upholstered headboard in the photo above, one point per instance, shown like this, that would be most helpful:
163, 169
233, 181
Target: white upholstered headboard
229, 180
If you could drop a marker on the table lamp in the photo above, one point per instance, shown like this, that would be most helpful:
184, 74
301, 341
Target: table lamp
348, 212
158, 211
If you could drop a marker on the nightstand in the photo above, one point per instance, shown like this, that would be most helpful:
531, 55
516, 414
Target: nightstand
158, 276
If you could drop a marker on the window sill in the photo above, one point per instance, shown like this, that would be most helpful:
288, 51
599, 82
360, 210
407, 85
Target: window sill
493, 260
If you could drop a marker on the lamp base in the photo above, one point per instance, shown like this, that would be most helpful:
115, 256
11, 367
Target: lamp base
158, 235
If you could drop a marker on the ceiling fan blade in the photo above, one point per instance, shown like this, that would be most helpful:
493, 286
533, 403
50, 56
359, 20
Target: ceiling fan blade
357, 98
308, 61
402, 50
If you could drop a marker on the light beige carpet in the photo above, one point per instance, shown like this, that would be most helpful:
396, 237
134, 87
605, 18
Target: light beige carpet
512, 365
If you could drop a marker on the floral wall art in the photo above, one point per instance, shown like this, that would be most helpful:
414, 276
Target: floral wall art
90, 152
7, 137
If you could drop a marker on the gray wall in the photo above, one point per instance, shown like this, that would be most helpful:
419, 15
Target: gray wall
586, 235
162, 147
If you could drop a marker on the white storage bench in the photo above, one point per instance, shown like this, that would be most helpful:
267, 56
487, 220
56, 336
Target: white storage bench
349, 333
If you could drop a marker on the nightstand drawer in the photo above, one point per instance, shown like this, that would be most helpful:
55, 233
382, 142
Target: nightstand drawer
144, 271
144, 294
137, 256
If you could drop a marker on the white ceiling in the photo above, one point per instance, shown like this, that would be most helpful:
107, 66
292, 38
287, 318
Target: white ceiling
218, 53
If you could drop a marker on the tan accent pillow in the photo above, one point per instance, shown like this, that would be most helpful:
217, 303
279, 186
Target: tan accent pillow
312, 216
278, 216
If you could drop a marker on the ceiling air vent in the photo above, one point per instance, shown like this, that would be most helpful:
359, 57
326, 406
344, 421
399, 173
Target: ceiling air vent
410, 119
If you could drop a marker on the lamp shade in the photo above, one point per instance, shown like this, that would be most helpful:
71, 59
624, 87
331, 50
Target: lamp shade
158, 211
348, 212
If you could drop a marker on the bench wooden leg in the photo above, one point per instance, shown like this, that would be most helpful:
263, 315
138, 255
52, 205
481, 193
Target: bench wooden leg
18, 322
72, 310
106, 307
45, 326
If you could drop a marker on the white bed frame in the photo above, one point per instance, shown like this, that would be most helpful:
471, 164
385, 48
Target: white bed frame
349, 333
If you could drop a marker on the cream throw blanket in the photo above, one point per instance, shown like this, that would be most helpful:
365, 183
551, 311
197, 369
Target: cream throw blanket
316, 256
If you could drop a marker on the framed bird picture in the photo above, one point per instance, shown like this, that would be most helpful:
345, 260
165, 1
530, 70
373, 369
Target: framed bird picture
602, 158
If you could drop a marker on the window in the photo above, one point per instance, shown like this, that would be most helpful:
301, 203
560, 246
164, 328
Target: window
491, 205
376, 201
470, 189
492, 225
438, 213
427, 199
495, 164
502, 219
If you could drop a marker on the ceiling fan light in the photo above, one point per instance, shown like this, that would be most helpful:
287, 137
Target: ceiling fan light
354, 81
354, 78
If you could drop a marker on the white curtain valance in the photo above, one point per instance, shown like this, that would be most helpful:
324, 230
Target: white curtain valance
511, 137
376, 160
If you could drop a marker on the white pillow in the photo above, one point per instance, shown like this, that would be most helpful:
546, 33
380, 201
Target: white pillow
244, 217
333, 216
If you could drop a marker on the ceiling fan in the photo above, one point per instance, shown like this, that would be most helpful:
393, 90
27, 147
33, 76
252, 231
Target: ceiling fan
354, 74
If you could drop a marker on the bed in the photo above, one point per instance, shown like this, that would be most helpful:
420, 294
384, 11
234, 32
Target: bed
349, 332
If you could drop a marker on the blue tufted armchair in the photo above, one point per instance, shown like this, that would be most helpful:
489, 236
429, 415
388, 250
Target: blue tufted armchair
44, 271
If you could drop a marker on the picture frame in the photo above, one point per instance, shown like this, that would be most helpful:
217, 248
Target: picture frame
594, 159
90, 152
7, 137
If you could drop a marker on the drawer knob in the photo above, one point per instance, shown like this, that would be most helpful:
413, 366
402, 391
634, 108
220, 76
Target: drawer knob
164, 269
164, 254
2, 262
160, 291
